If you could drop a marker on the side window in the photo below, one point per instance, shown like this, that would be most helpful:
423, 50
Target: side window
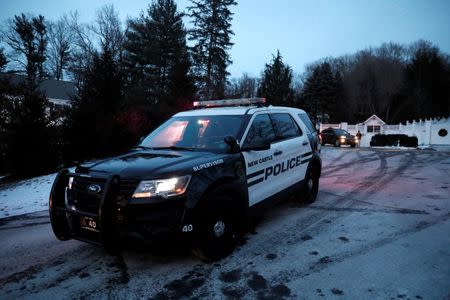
285, 126
307, 121
260, 132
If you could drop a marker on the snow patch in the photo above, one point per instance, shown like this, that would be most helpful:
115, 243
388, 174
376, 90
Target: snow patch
25, 196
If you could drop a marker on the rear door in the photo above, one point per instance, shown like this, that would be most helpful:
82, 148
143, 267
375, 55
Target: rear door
295, 150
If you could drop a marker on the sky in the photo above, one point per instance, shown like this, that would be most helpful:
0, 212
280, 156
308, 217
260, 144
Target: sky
303, 31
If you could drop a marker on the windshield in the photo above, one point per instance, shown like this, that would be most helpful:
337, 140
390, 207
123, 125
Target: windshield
195, 133
341, 132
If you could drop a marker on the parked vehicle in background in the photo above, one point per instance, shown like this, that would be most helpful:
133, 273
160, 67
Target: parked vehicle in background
337, 137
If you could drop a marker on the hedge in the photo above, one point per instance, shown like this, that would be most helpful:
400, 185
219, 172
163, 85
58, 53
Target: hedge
393, 140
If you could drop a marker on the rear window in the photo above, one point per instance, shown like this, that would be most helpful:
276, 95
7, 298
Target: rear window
307, 121
285, 126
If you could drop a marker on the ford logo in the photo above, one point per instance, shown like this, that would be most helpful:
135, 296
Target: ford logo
94, 188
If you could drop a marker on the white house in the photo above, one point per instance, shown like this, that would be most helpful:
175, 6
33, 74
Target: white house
432, 132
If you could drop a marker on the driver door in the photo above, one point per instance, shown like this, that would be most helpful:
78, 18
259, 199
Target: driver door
260, 132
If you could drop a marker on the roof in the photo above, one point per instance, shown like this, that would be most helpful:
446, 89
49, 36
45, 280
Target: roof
53, 89
235, 110
374, 118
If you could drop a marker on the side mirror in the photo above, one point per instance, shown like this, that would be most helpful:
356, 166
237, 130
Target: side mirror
233, 143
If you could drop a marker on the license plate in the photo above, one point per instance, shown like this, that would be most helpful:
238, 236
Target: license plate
88, 223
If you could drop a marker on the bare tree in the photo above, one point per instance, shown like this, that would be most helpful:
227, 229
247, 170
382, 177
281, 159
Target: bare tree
88, 40
60, 41
108, 28
245, 87
83, 47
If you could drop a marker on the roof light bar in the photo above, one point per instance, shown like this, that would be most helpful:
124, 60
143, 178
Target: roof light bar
229, 102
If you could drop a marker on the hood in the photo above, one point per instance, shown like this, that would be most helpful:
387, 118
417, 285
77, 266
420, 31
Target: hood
149, 164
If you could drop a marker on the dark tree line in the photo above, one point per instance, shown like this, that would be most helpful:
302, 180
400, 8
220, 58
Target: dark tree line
132, 76
395, 82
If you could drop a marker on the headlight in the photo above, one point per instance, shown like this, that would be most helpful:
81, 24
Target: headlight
162, 187
342, 137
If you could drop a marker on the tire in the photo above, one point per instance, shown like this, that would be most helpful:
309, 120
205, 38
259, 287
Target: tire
337, 144
218, 234
353, 145
311, 187
58, 218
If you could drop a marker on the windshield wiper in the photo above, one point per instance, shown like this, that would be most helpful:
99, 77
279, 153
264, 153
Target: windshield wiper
173, 148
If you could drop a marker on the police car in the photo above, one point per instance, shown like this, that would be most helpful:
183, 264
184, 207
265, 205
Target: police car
200, 177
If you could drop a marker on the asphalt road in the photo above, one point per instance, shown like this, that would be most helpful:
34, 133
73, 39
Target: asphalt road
380, 229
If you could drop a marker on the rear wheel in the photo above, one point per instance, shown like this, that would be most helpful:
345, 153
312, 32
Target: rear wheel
311, 187
217, 237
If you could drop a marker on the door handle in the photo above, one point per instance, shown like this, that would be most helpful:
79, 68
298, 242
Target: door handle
278, 152
305, 143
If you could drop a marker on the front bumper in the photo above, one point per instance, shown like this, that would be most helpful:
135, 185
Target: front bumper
347, 141
110, 216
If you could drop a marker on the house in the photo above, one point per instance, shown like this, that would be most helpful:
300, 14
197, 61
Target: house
59, 93
430, 132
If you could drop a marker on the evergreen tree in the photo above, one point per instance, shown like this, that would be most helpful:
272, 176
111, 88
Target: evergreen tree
156, 55
90, 124
211, 34
322, 93
3, 60
26, 122
31, 148
427, 88
276, 82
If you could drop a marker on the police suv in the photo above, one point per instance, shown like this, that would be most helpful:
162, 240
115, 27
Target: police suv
200, 177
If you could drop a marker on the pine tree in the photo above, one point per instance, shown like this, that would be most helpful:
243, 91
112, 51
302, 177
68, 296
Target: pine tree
276, 82
156, 54
211, 34
426, 84
322, 92
3, 60
90, 124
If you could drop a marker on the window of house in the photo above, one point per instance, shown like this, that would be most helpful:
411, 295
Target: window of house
374, 128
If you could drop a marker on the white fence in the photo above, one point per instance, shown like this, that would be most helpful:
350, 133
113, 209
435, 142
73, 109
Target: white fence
428, 132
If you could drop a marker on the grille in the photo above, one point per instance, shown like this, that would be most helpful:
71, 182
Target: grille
81, 198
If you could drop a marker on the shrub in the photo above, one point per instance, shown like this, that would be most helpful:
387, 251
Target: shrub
393, 140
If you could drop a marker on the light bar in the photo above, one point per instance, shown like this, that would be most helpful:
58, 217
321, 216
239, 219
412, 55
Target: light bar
229, 102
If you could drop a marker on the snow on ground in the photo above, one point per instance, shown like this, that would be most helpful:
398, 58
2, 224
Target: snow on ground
25, 196
378, 230
31, 195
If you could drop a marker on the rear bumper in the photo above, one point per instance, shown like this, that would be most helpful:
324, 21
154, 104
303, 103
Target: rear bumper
113, 216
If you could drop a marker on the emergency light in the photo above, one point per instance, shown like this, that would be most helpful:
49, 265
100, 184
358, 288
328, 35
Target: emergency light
230, 102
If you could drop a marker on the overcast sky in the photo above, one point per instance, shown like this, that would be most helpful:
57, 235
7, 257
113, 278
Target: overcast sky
303, 31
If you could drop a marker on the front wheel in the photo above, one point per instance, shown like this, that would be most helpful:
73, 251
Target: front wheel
217, 236
337, 144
